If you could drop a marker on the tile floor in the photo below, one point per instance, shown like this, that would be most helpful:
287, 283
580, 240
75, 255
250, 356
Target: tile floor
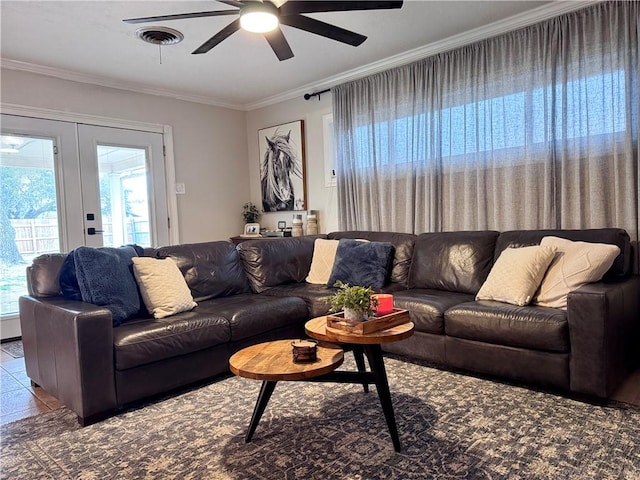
20, 400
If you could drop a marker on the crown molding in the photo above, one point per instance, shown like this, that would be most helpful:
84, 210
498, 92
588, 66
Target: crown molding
509, 24
111, 83
514, 22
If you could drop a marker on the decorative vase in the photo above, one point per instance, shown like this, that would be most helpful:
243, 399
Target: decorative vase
296, 226
353, 315
312, 222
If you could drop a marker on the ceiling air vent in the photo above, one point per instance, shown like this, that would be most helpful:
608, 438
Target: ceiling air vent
159, 35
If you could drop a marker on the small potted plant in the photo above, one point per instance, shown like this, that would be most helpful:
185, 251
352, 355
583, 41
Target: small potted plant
355, 300
250, 213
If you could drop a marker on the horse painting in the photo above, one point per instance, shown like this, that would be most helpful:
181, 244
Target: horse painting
280, 167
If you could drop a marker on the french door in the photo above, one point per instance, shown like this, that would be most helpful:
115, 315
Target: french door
66, 184
123, 187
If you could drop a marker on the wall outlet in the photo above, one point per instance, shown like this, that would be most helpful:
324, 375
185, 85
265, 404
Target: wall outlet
180, 189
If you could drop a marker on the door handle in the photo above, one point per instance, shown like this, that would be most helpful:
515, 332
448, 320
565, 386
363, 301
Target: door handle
93, 231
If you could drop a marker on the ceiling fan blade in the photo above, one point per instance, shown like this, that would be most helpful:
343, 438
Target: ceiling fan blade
279, 44
179, 16
306, 6
227, 31
323, 29
233, 3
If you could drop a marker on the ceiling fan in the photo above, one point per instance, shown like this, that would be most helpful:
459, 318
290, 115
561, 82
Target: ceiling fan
266, 16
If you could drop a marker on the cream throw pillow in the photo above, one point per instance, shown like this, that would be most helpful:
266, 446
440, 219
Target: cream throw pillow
516, 275
324, 255
162, 286
575, 265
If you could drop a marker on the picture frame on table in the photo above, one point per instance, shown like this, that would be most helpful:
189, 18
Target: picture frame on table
251, 230
283, 182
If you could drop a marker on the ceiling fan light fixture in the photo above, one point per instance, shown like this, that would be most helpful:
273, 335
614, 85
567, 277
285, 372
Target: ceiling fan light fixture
259, 18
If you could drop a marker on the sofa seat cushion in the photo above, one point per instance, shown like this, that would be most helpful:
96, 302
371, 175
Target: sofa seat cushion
537, 328
140, 342
251, 315
427, 306
313, 295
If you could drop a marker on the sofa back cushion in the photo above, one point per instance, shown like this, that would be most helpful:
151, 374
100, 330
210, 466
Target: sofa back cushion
276, 261
403, 250
43, 275
452, 261
613, 236
211, 269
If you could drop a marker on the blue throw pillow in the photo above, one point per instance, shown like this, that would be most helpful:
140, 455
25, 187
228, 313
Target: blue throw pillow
362, 263
105, 277
68, 281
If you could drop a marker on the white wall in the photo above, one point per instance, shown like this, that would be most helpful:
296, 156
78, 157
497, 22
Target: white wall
319, 197
216, 149
210, 144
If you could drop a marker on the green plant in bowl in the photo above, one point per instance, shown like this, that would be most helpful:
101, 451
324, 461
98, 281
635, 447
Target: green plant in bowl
250, 213
355, 300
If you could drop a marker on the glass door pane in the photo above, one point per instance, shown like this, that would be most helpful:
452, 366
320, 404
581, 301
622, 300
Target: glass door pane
124, 194
124, 201
29, 220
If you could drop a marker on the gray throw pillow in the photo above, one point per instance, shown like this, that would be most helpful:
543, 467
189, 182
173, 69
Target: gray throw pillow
362, 263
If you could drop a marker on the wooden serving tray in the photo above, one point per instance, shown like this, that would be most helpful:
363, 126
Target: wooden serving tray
336, 321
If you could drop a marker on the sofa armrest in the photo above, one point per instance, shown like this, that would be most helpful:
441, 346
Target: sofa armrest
68, 348
603, 330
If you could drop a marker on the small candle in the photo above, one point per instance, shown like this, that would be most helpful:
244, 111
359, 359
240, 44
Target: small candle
304, 343
385, 304
304, 350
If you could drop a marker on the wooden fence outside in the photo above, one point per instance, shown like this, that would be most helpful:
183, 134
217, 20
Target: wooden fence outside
35, 236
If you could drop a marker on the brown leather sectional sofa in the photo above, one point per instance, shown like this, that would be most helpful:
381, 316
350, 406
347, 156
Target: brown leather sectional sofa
257, 292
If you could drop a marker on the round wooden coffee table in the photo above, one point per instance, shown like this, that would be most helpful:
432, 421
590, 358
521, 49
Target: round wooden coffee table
369, 345
272, 362
317, 328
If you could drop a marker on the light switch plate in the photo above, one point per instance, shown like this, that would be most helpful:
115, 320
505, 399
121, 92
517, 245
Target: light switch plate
180, 189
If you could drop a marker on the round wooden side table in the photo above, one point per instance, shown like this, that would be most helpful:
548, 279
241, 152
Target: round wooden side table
272, 362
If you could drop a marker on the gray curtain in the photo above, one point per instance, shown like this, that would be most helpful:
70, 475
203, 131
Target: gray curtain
537, 128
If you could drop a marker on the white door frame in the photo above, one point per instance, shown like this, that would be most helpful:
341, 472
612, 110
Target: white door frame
9, 324
165, 130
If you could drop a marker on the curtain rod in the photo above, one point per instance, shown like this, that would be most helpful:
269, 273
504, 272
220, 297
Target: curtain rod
307, 96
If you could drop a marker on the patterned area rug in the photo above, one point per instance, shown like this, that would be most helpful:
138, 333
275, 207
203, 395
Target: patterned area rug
451, 427
13, 348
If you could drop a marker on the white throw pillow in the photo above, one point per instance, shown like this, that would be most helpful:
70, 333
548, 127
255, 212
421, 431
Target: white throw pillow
516, 275
324, 255
162, 286
575, 265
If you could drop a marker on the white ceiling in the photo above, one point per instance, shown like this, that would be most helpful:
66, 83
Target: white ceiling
88, 41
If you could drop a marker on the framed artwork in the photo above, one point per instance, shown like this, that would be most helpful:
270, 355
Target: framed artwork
282, 167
